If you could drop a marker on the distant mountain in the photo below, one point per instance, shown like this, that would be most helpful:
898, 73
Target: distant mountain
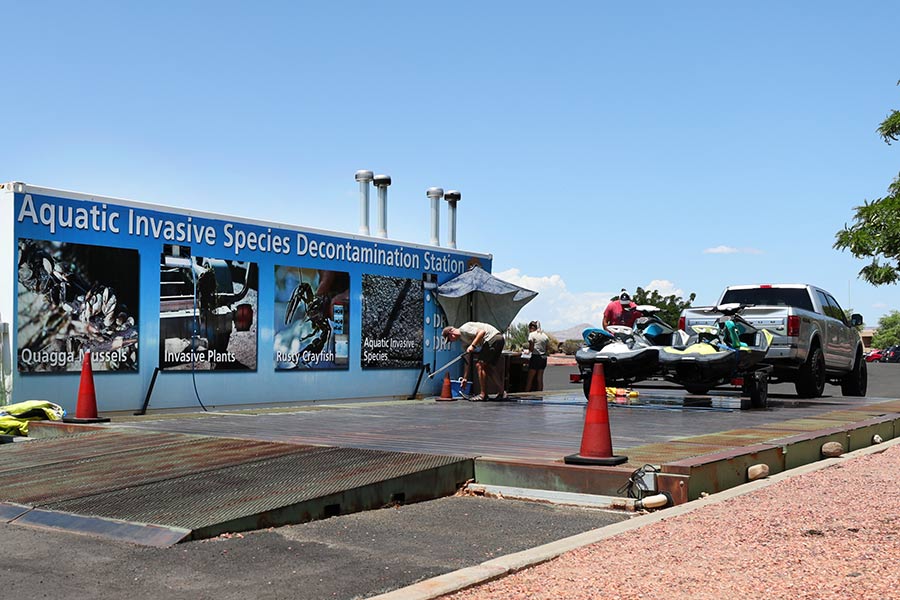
572, 333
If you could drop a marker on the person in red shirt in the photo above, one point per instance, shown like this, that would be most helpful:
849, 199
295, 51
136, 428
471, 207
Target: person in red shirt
621, 311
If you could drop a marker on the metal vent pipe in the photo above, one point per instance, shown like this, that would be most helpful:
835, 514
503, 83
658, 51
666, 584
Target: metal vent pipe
382, 182
364, 177
5, 364
452, 197
435, 194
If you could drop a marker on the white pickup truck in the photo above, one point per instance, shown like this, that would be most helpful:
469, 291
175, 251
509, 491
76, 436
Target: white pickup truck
813, 341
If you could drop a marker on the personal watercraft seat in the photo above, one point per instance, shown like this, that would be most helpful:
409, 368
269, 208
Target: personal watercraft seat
596, 338
656, 331
653, 329
651, 326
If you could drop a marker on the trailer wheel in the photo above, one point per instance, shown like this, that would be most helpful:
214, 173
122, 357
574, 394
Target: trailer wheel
756, 386
586, 385
696, 390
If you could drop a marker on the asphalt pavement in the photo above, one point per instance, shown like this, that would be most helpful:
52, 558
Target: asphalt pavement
345, 557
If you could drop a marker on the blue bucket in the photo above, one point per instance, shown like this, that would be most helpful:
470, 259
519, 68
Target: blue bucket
455, 388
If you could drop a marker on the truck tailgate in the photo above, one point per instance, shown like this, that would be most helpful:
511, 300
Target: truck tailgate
773, 318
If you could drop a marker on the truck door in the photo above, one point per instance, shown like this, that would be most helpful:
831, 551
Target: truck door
845, 347
833, 342
829, 331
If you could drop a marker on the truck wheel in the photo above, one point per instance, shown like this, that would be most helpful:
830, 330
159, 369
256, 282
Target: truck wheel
696, 390
811, 378
856, 381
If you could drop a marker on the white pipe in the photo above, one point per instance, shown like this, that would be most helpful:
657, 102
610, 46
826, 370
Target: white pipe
452, 197
655, 501
382, 211
363, 177
382, 182
5, 365
435, 194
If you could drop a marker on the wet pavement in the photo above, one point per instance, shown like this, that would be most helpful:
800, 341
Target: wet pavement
545, 427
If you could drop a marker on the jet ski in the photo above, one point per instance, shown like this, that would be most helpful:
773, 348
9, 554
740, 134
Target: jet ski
628, 354
711, 355
651, 328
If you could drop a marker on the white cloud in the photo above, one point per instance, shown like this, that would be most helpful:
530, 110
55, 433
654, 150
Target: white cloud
879, 305
557, 308
731, 250
664, 287
721, 250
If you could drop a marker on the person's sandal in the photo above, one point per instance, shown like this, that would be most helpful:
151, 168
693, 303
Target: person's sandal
502, 397
476, 398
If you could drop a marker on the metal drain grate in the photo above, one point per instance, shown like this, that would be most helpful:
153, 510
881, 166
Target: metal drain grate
250, 490
49, 451
140, 466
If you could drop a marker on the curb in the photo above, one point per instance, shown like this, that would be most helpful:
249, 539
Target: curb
461, 579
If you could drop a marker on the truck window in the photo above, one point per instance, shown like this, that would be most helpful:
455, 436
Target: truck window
823, 300
796, 297
835, 310
830, 306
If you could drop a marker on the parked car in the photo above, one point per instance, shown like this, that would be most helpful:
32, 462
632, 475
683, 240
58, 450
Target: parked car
875, 356
891, 355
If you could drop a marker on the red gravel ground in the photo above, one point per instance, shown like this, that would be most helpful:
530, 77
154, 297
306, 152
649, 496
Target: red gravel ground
560, 360
832, 533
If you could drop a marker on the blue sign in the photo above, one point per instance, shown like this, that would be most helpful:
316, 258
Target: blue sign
228, 305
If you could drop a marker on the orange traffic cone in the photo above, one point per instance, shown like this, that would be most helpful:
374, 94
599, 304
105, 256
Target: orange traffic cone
86, 409
87, 397
596, 445
446, 392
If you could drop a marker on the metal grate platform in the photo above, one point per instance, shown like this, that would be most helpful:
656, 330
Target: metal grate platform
50, 451
162, 488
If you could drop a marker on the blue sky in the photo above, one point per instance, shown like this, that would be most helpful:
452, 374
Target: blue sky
683, 146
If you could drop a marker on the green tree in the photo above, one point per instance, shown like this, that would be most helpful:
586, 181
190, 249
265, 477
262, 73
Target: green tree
517, 338
875, 231
670, 307
888, 333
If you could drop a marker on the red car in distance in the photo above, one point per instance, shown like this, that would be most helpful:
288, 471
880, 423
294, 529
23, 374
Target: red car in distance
875, 356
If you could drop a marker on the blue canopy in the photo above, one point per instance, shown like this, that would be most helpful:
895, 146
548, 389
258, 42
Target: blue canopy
476, 295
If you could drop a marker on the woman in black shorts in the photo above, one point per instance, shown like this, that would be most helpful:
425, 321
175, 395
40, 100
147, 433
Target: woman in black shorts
537, 345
